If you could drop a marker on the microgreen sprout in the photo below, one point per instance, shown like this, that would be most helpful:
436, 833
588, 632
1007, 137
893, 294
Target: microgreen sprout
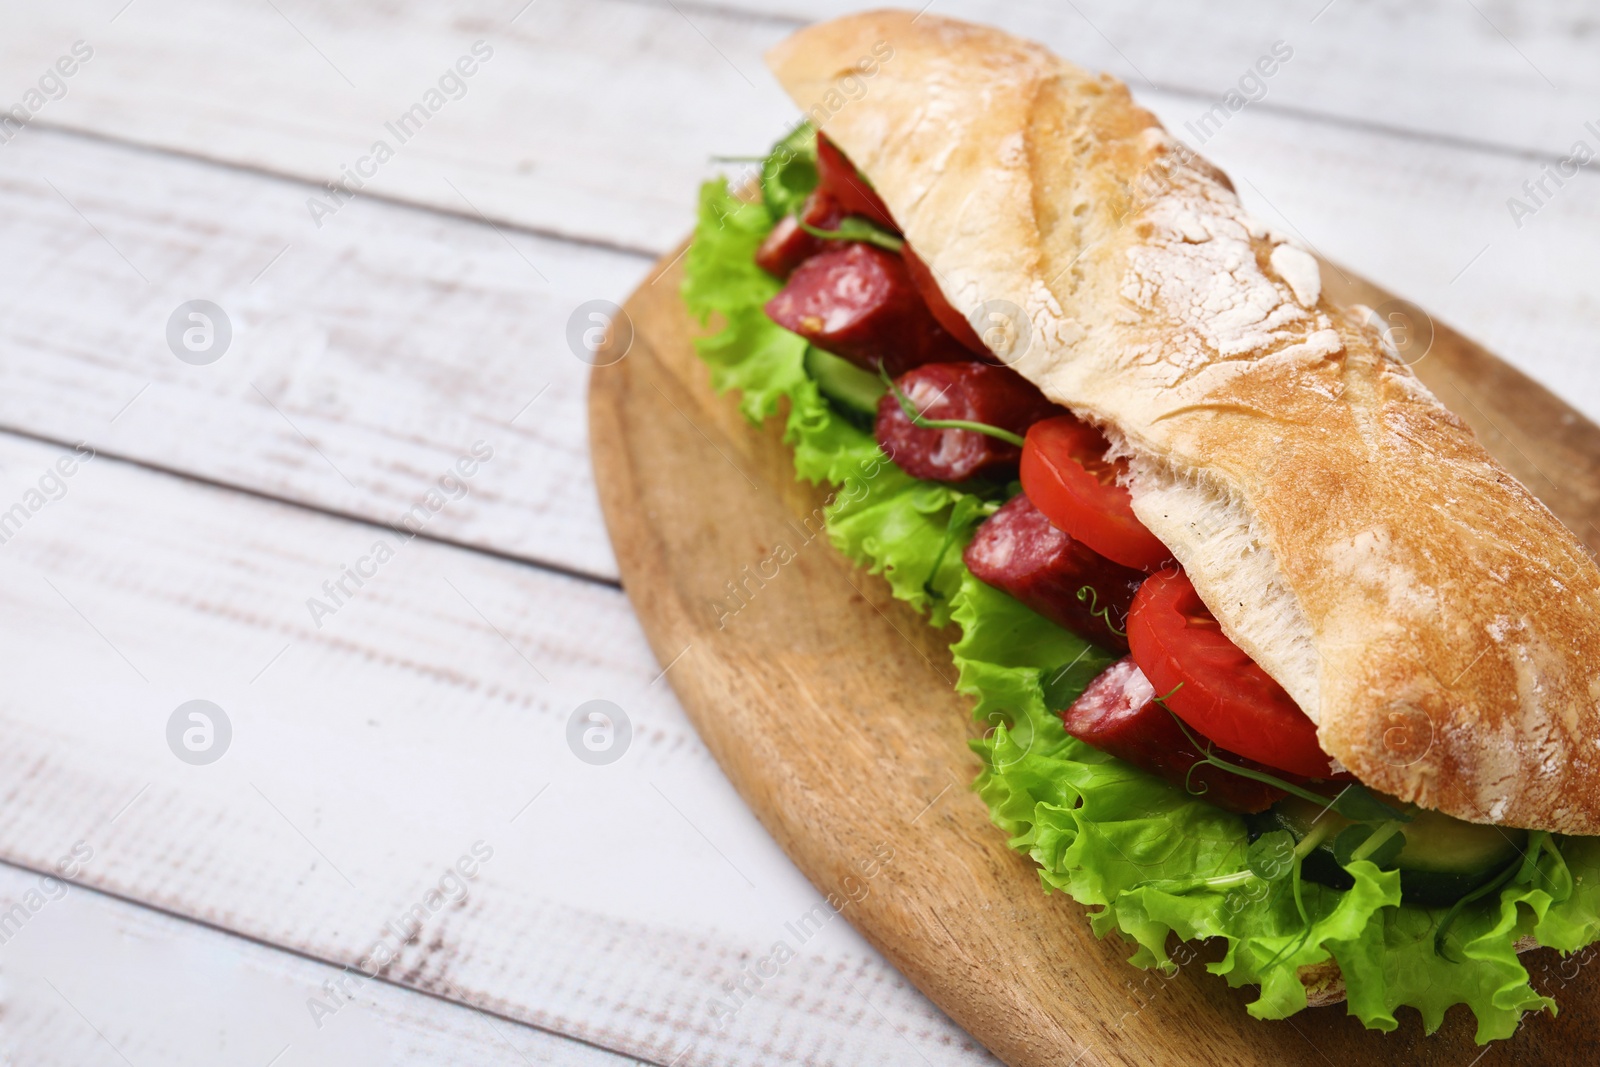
855, 228
1355, 801
923, 422
1089, 593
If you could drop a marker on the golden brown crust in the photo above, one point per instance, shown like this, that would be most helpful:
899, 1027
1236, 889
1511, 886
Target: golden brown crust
1438, 623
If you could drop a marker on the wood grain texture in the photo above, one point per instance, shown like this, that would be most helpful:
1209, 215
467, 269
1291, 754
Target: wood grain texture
393, 336
551, 131
365, 359
154, 989
429, 712
831, 709
552, 128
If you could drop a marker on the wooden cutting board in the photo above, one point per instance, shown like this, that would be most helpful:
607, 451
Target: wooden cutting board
830, 706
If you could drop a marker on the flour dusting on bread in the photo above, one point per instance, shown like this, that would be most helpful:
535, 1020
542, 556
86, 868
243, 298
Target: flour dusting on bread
1345, 528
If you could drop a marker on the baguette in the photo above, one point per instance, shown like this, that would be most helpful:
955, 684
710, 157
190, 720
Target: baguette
1438, 624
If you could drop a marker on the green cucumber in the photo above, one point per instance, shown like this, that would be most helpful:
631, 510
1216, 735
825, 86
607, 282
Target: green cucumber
1443, 859
855, 392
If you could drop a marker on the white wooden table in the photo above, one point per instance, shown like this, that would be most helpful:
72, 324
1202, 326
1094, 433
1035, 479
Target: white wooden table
219, 912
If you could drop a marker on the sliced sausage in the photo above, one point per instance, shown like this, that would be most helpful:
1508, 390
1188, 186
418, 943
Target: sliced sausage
837, 175
839, 178
789, 245
974, 392
1019, 552
857, 301
1118, 714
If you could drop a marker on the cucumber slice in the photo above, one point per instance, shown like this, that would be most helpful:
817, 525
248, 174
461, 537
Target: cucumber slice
1443, 860
852, 390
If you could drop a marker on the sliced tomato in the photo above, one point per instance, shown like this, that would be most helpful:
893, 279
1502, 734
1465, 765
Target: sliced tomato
1209, 682
837, 176
956, 326
1066, 475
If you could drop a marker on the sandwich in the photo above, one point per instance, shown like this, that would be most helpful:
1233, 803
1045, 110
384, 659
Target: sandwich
1268, 648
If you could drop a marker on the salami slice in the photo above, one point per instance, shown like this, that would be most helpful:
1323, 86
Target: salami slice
857, 301
1118, 714
972, 392
1017, 550
789, 245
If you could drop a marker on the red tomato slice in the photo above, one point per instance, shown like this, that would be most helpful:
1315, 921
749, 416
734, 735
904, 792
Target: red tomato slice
1211, 684
956, 326
838, 176
1066, 475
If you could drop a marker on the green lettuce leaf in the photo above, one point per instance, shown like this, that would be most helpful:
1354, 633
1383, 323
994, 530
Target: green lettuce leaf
789, 172
1150, 860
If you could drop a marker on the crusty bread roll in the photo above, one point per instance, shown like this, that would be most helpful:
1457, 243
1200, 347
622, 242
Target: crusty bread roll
1437, 622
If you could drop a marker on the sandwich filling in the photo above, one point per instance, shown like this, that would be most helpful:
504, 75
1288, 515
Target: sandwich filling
1154, 771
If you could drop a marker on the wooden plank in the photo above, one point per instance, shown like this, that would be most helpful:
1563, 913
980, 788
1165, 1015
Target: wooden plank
427, 719
364, 360
810, 659
88, 979
572, 124
326, 339
551, 130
